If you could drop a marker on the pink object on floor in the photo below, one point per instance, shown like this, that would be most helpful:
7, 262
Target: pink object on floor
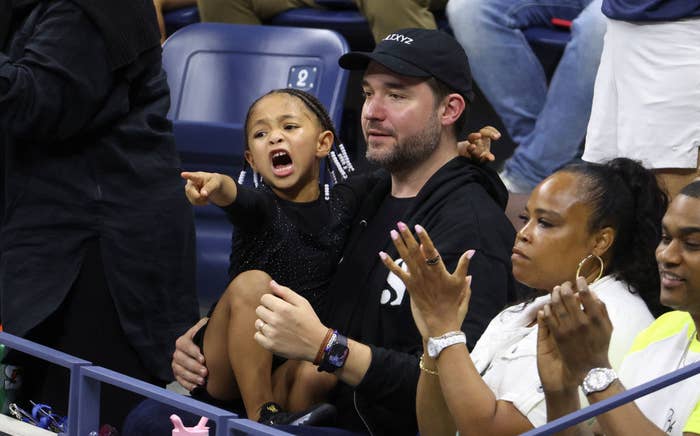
199, 430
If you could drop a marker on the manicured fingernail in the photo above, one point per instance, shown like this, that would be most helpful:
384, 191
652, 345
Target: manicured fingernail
273, 283
469, 280
419, 228
382, 255
470, 253
394, 235
401, 226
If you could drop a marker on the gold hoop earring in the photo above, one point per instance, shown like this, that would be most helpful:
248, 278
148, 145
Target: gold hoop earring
585, 259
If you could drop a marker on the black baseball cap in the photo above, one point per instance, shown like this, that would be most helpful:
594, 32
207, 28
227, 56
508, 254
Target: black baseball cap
419, 53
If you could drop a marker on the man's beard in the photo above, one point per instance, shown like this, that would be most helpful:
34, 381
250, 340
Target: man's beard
411, 151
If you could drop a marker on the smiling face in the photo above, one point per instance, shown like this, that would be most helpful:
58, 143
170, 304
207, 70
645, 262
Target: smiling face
678, 255
399, 119
285, 144
555, 236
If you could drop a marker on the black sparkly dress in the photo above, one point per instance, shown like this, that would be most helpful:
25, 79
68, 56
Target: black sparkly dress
297, 244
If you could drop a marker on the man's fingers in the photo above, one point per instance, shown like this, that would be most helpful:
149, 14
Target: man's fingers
262, 311
195, 328
473, 137
263, 341
491, 132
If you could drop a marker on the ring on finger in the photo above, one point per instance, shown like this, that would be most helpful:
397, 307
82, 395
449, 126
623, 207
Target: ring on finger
433, 260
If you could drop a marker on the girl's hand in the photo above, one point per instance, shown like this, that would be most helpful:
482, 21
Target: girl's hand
439, 300
202, 188
477, 147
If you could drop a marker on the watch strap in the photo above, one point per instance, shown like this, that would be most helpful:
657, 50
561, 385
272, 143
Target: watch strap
437, 344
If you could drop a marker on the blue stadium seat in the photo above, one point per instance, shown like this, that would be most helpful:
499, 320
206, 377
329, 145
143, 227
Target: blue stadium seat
215, 71
178, 18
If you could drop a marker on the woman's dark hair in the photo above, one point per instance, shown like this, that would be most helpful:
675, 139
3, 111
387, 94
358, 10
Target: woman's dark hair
626, 197
309, 100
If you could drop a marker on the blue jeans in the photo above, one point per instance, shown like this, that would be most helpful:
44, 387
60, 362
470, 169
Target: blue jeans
547, 123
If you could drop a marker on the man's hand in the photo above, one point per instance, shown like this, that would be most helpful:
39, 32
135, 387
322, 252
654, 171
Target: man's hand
477, 147
188, 360
580, 325
287, 324
202, 188
439, 300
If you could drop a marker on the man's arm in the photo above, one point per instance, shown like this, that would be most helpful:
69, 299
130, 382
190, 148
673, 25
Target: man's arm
289, 327
188, 361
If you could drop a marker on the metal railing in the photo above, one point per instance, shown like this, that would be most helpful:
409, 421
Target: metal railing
85, 386
616, 401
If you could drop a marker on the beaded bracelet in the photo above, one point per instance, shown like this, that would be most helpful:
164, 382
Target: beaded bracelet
425, 368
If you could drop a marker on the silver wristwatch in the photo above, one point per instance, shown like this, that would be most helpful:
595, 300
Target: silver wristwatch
436, 345
597, 380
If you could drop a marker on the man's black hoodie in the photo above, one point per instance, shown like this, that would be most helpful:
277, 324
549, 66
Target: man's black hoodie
461, 206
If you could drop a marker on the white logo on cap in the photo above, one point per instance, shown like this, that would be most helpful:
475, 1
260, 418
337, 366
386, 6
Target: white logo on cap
399, 38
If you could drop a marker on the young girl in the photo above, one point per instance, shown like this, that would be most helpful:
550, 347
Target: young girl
288, 230
284, 228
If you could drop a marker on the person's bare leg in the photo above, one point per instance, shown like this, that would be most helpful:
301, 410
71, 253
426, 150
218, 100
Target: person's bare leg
309, 387
246, 365
221, 382
158, 5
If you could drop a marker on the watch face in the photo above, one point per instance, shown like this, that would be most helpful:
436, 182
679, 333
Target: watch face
598, 380
337, 355
432, 348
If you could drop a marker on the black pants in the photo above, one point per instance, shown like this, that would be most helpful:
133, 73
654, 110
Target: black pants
86, 325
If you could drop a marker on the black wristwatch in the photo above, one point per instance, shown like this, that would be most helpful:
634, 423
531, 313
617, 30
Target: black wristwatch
335, 354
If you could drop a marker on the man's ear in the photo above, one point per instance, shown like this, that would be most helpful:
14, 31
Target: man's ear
323, 146
249, 158
453, 107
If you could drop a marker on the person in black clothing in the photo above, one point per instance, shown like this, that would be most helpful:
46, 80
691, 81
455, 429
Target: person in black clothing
417, 87
97, 242
285, 228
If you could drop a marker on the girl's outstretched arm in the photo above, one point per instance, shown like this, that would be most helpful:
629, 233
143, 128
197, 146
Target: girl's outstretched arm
204, 188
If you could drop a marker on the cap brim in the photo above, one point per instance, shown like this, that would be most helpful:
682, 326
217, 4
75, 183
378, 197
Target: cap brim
359, 60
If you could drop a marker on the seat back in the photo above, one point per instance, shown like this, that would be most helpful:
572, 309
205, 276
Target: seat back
215, 71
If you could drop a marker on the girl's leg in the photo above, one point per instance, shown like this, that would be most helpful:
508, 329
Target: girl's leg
309, 387
238, 366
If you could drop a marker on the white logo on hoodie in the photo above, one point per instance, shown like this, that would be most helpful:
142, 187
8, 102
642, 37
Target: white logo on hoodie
393, 296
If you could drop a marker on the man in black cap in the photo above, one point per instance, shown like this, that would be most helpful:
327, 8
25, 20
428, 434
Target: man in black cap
417, 86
